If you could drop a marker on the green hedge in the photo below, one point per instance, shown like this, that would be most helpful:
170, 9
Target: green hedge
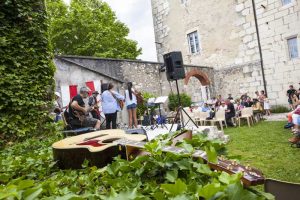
26, 68
279, 109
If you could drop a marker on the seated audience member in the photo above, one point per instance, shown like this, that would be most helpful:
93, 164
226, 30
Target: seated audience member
290, 120
205, 108
57, 107
223, 106
230, 113
239, 108
214, 100
296, 122
217, 105
220, 98
249, 102
244, 102
244, 96
78, 112
93, 103
257, 106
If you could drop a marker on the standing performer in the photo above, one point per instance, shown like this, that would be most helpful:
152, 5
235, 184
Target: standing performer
93, 102
131, 103
111, 105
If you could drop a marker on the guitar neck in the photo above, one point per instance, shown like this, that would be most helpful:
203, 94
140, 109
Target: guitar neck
250, 176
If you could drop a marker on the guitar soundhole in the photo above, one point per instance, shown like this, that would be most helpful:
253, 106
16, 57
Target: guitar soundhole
110, 140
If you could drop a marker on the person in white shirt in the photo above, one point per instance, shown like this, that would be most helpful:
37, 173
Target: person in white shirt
131, 104
111, 106
223, 106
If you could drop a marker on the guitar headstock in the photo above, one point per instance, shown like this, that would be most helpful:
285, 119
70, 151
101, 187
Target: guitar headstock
251, 176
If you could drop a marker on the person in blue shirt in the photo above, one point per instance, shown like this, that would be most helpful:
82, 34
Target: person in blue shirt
206, 108
110, 106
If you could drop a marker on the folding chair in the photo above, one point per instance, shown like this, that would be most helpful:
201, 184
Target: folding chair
282, 190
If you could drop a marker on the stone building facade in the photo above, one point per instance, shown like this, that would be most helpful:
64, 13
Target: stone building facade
222, 34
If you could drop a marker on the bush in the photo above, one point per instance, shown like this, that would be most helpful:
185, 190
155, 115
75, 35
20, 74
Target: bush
26, 69
186, 101
279, 109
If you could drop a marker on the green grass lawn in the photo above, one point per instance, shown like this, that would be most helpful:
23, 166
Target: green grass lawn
265, 147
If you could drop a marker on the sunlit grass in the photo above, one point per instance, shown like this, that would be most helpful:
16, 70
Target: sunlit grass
265, 146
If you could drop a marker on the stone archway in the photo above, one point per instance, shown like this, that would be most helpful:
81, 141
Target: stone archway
199, 91
201, 76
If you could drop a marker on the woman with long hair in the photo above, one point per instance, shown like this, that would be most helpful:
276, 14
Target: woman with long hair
131, 103
110, 106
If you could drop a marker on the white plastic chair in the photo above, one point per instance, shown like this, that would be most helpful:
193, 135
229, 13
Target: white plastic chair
219, 117
200, 117
246, 113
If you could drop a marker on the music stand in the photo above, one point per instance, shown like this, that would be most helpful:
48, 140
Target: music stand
158, 101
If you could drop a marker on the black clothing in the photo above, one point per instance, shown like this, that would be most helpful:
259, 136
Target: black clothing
247, 104
230, 114
290, 93
231, 109
230, 98
111, 118
92, 101
80, 102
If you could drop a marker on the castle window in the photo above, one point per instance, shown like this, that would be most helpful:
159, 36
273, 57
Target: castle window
293, 47
193, 40
285, 2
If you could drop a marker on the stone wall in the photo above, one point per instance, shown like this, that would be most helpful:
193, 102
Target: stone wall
146, 76
229, 44
239, 79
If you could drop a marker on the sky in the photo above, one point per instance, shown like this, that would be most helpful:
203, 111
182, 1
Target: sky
137, 15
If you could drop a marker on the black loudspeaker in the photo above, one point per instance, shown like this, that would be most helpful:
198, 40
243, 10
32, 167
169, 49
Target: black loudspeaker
104, 86
174, 66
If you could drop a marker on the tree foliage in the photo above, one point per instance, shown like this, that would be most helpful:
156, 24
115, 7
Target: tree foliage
89, 28
26, 68
185, 99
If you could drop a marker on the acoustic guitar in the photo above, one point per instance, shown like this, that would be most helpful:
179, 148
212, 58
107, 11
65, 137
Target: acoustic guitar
96, 147
100, 147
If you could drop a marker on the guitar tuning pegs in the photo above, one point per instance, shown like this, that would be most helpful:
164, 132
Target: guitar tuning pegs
234, 163
229, 167
248, 167
131, 157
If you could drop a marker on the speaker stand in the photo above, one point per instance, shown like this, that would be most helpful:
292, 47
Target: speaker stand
179, 110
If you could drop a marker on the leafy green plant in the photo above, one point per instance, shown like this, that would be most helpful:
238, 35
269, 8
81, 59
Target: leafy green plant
279, 109
27, 171
186, 100
141, 108
26, 69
